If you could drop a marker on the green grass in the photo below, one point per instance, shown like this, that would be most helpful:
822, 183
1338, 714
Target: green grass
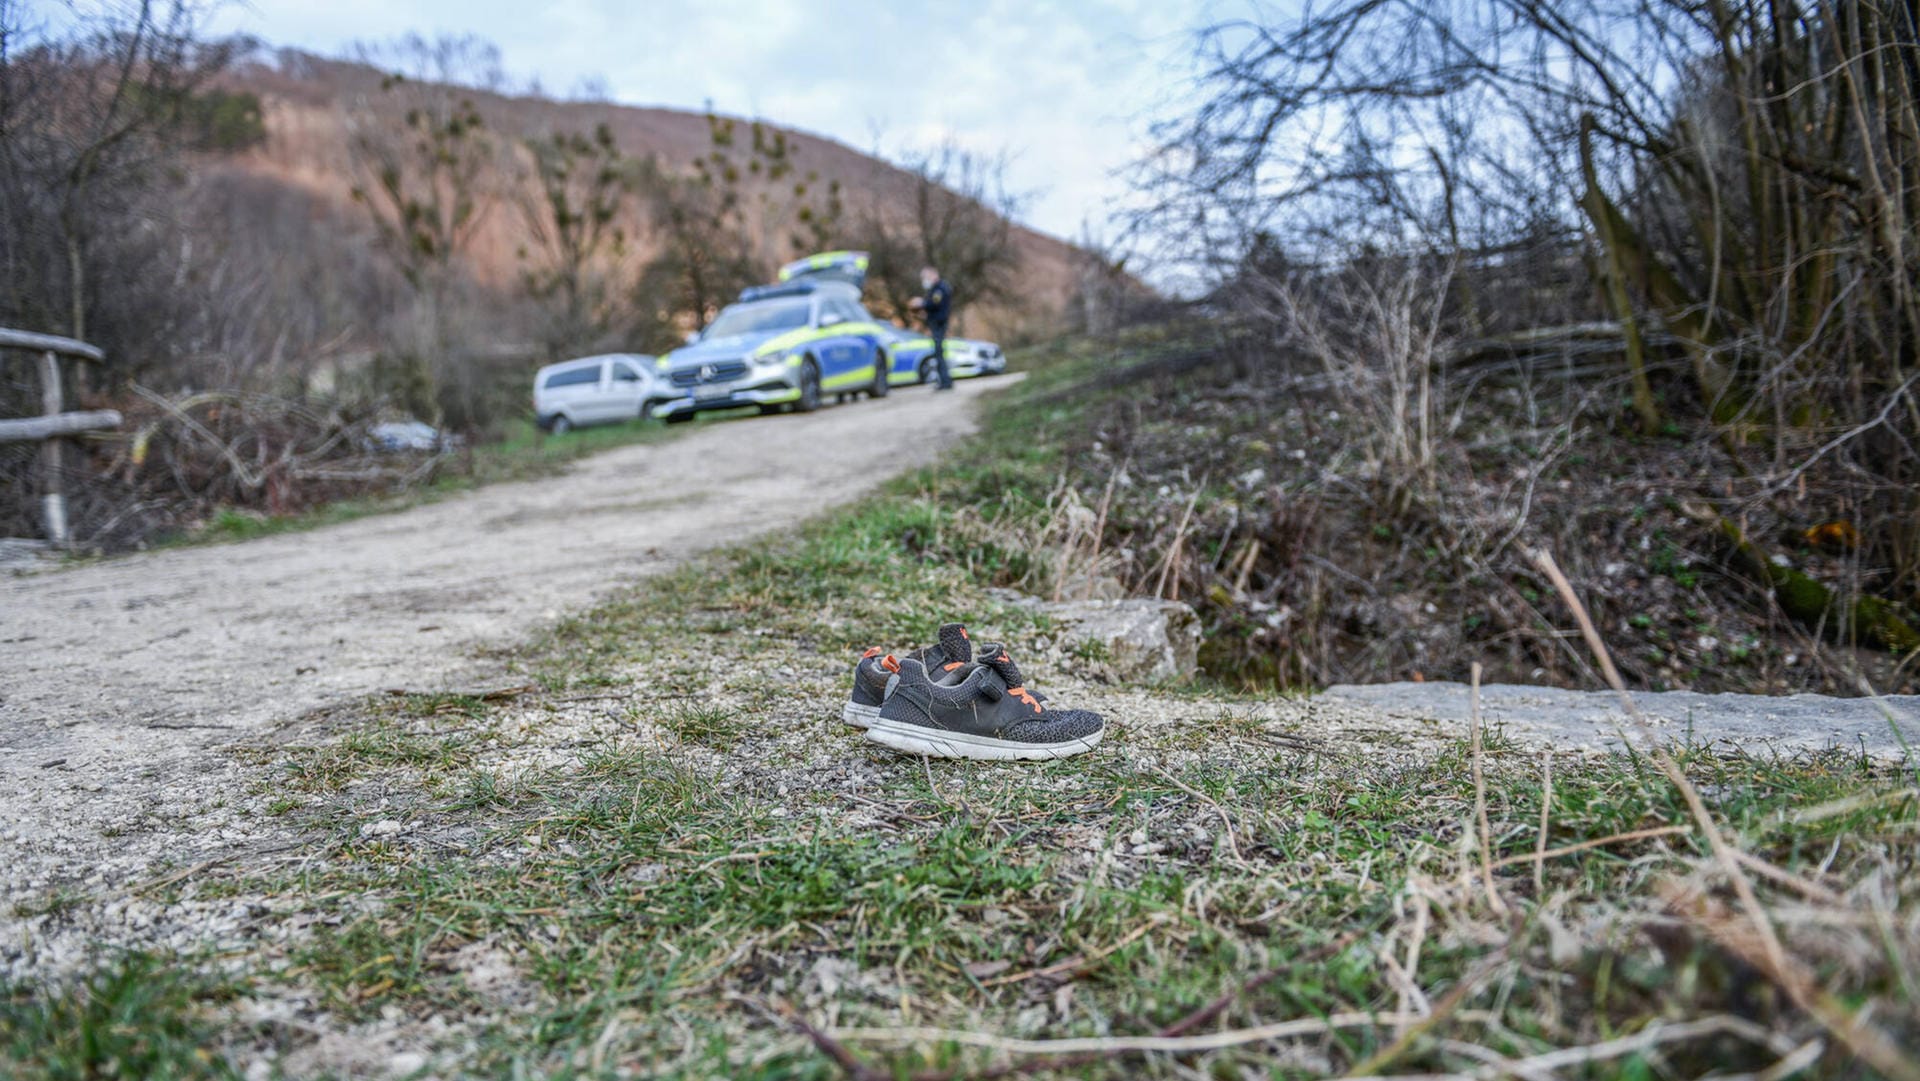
673, 840
135, 1016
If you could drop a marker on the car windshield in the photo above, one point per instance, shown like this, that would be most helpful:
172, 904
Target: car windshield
762, 317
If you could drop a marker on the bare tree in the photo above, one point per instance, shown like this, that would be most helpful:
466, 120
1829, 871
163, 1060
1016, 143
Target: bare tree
1742, 179
429, 171
744, 207
961, 222
575, 212
86, 121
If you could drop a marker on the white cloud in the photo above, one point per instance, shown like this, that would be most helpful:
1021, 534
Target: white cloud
1062, 86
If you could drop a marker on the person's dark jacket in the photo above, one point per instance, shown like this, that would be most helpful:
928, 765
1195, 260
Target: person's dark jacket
939, 305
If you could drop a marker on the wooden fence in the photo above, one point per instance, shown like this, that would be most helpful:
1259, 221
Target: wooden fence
53, 425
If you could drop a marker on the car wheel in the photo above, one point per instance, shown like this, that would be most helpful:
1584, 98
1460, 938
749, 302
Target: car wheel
926, 371
881, 366
809, 387
559, 425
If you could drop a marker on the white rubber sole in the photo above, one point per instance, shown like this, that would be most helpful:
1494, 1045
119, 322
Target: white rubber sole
936, 743
857, 715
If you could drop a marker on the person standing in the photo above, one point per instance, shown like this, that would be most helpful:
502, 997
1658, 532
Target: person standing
935, 307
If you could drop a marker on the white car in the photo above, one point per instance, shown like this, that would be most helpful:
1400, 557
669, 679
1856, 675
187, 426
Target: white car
595, 390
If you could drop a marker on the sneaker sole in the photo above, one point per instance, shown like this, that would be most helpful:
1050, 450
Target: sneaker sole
857, 715
936, 743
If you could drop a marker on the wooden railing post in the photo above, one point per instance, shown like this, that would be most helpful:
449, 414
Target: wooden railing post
52, 455
54, 426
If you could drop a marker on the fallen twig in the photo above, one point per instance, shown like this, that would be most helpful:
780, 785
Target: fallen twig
1546, 817
1597, 842
1480, 797
489, 694
1113, 1045
1442, 1010
1077, 964
1233, 844
1654, 1035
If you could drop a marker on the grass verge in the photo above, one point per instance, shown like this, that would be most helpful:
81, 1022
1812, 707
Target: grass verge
523, 452
671, 860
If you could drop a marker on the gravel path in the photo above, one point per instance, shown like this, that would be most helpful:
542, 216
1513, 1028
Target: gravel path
117, 679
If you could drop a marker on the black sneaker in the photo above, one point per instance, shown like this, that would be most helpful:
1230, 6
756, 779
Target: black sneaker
876, 669
986, 712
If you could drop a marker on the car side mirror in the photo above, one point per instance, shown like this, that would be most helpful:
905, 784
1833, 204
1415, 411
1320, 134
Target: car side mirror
692, 336
830, 319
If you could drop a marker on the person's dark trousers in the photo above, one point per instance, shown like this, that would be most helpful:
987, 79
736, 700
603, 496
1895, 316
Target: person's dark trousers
940, 358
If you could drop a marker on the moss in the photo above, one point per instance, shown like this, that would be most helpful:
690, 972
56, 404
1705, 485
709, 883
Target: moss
1867, 620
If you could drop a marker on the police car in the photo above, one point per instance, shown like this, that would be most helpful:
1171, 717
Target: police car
912, 356
782, 346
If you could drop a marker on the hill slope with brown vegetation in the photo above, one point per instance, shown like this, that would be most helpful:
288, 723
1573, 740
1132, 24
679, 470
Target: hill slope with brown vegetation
310, 105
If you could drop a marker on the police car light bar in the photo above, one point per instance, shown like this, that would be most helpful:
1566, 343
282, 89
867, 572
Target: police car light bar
848, 266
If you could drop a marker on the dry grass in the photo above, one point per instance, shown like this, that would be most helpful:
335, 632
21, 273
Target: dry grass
607, 877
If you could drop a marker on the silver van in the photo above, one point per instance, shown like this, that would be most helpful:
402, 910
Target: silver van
595, 390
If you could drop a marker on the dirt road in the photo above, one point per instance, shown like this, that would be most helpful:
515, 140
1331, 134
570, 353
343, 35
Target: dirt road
233, 636
116, 677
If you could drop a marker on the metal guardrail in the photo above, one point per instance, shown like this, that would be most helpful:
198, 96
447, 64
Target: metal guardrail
54, 424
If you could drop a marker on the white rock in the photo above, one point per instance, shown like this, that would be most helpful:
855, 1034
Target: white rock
1142, 640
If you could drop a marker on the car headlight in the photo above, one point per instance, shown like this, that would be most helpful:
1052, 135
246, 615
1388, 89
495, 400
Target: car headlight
770, 360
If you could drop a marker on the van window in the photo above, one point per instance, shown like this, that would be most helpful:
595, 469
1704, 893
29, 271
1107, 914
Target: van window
573, 377
624, 373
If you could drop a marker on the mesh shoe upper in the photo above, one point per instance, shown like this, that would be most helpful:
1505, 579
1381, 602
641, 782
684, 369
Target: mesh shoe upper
983, 703
949, 653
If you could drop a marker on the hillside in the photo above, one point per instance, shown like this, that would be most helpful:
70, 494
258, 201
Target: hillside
308, 103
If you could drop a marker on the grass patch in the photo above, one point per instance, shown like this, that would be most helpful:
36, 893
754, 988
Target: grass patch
718, 727
635, 870
136, 1016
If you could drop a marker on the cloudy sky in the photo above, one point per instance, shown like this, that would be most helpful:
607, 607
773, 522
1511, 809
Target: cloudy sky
1064, 87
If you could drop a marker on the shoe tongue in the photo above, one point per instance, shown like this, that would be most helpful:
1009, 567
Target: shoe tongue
996, 658
955, 644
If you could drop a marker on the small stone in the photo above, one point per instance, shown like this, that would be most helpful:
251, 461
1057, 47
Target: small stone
386, 827
1137, 837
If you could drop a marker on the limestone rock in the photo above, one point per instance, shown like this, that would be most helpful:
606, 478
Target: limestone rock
1137, 640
